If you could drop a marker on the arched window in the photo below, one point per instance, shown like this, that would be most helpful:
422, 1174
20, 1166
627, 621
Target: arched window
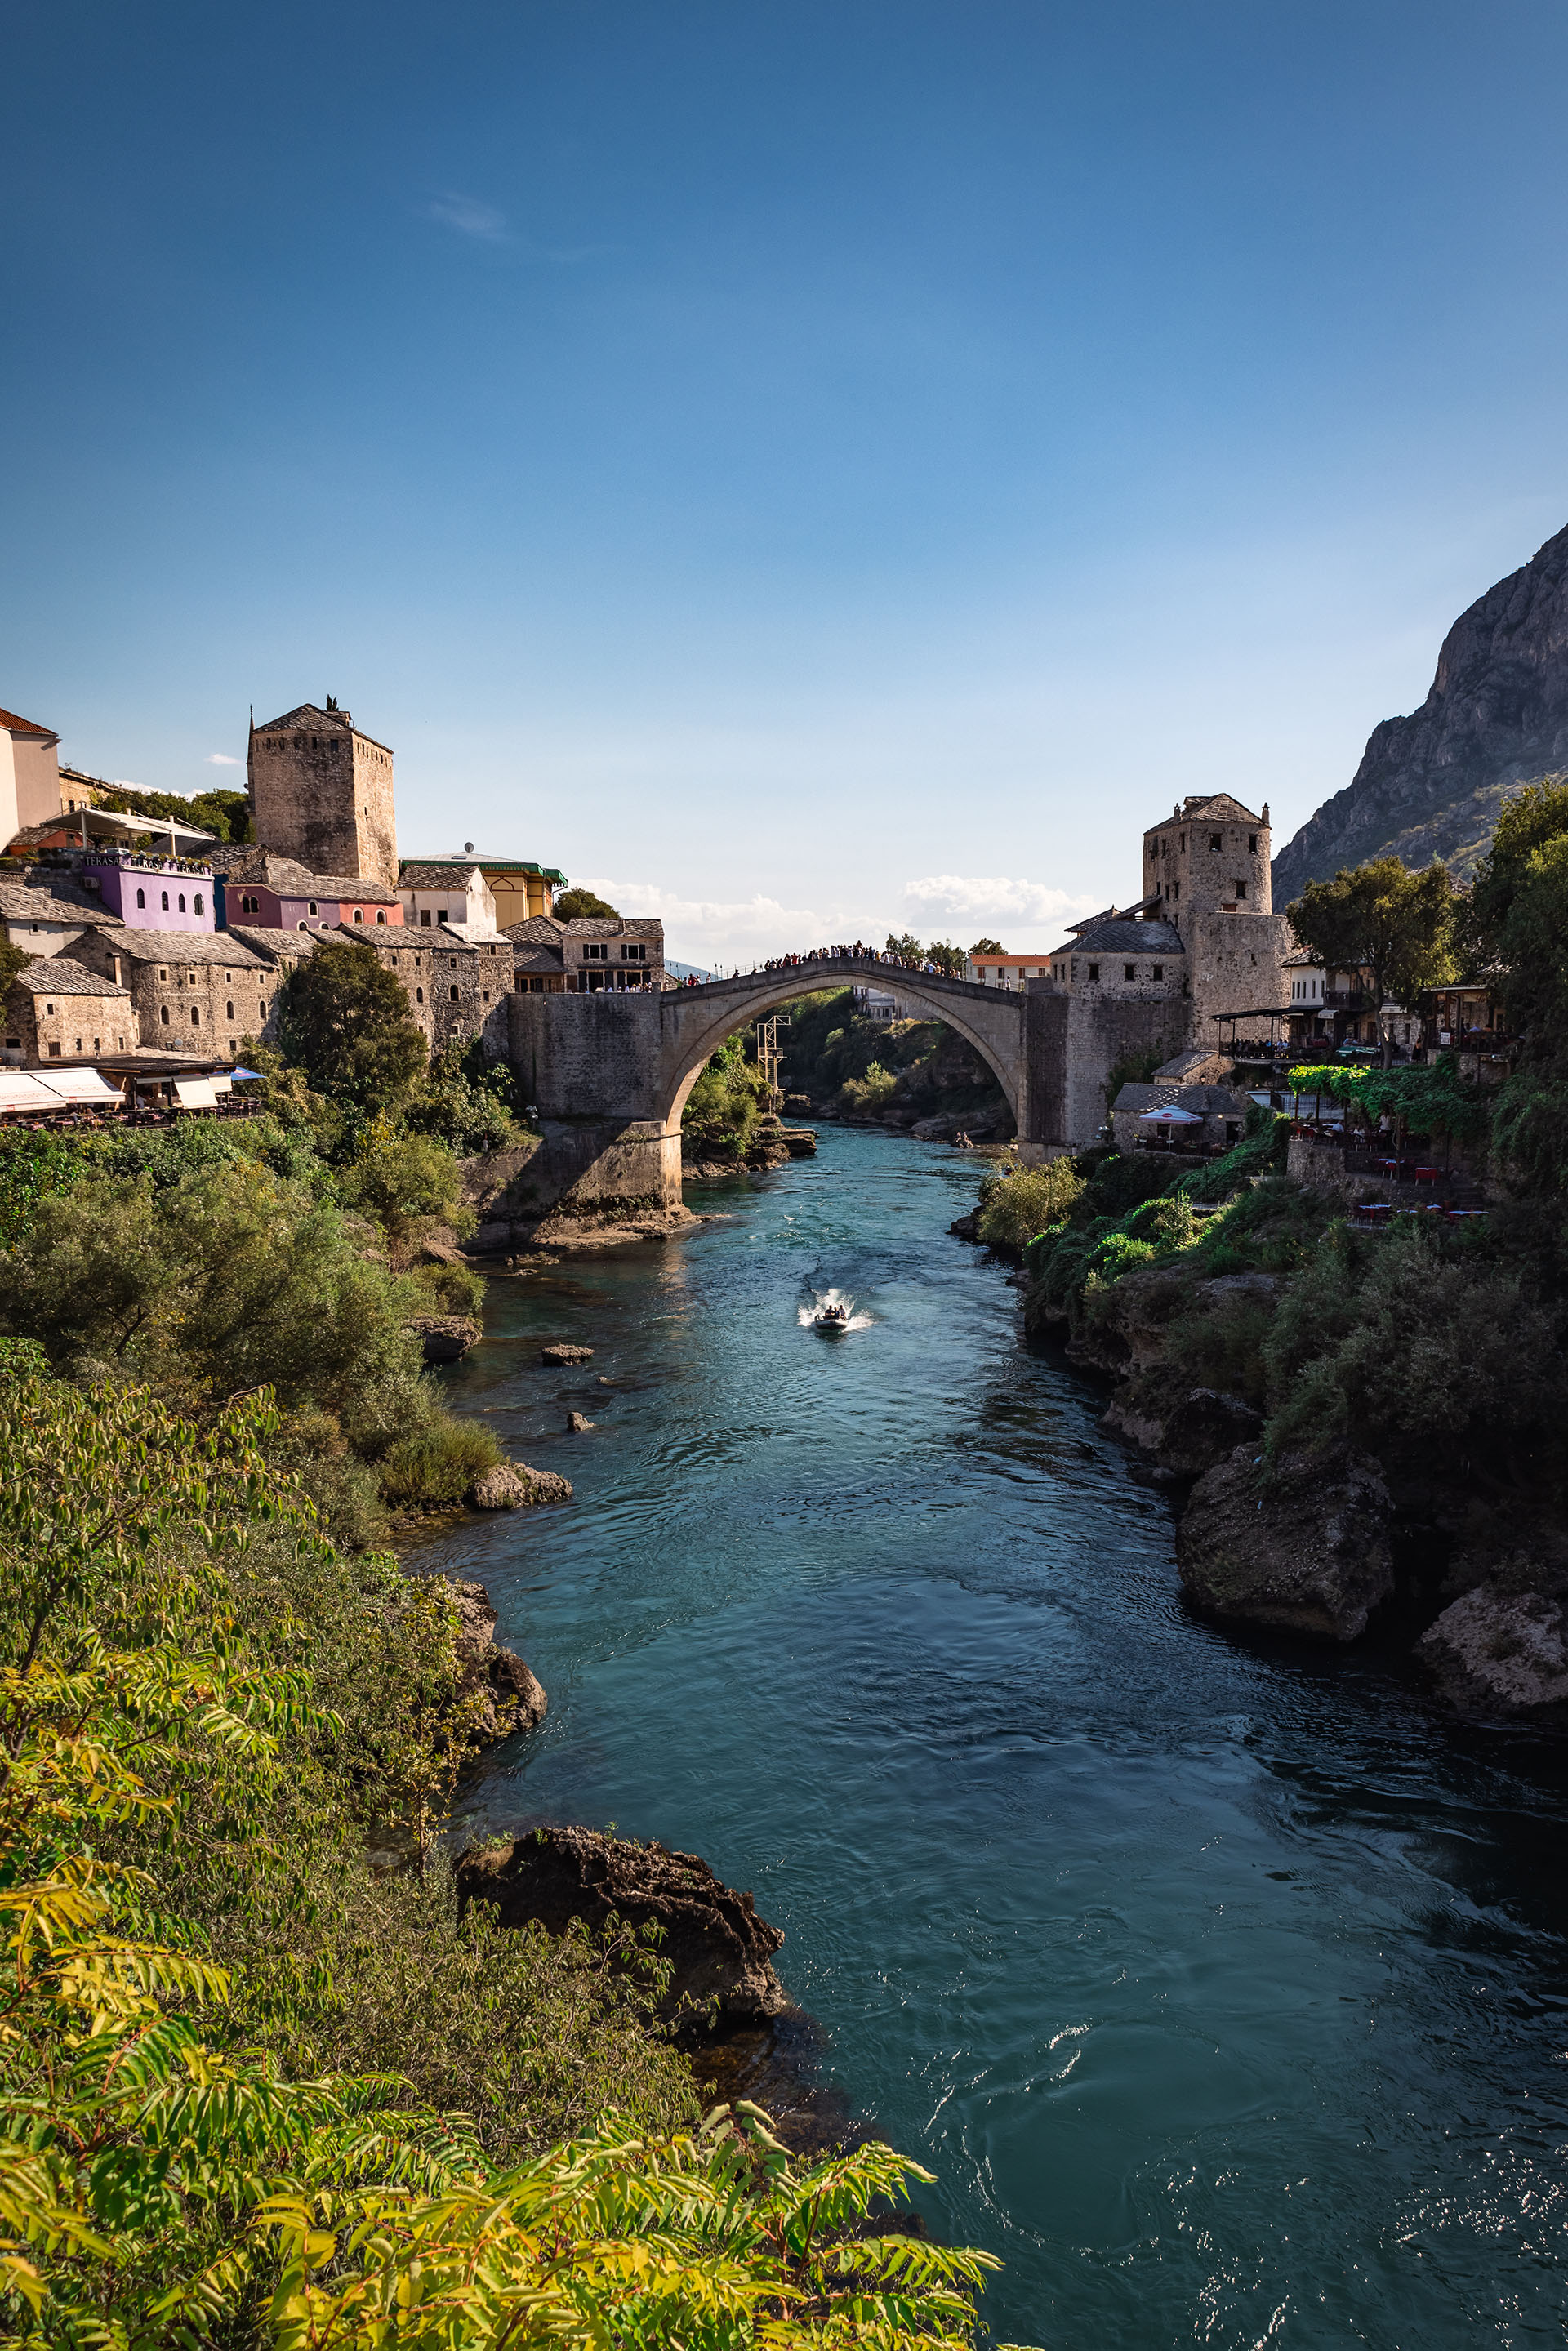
141, 897
166, 902
419, 996
182, 902
200, 903
314, 908
163, 1014
196, 1016
231, 1012
382, 914
358, 914
304, 926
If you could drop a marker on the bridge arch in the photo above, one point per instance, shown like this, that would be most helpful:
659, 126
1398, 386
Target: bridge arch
698, 1021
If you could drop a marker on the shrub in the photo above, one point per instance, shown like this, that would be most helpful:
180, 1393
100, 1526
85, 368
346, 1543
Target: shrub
434, 1469
408, 1183
1023, 1201
451, 1289
874, 1092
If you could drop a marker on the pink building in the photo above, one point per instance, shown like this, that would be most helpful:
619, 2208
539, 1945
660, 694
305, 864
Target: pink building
269, 893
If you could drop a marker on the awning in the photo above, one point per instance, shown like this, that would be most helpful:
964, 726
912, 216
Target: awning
244, 1073
81, 1086
20, 1091
1170, 1117
195, 1094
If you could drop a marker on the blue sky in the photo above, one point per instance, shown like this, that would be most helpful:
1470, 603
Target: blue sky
805, 467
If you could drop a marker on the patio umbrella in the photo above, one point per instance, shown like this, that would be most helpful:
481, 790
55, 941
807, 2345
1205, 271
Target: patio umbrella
1169, 1117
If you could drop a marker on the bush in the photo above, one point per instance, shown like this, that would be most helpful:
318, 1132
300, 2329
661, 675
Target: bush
435, 1469
874, 1092
451, 1289
724, 1106
407, 1183
1023, 1201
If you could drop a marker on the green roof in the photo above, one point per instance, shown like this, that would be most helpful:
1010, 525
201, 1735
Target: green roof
492, 865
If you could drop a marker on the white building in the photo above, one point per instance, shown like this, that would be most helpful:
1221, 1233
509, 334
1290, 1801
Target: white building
456, 895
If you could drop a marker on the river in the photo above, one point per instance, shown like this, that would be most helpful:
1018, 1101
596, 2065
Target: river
1224, 1992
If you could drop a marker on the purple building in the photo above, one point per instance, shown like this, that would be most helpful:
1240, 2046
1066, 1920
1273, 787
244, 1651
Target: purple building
151, 893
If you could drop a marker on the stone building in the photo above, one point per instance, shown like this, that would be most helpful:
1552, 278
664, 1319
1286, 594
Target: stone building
259, 887
322, 793
450, 893
518, 886
201, 993
45, 911
57, 1009
588, 953
456, 987
1172, 976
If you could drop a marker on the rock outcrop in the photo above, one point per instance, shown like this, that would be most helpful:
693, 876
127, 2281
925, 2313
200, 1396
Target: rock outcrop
720, 1950
448, 1337
1497, 713
559, 1352
512, 1486
500, 1673
1304, 1548
1495, 1654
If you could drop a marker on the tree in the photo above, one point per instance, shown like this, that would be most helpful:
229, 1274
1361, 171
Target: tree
1383, 919
13, 962
946, 957
1527, 822
987, 946
585, 906
907, 947
344, 1019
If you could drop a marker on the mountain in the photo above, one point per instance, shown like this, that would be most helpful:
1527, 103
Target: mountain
1430, 785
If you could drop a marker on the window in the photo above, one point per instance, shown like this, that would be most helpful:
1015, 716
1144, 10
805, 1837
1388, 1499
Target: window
182, 902
1159, 970
358, 914
54, 1052
419, 996
230, 1012
635, 953
595, 951
486, 996
196, 1016
1252, 842
424, 916
163, 1014
263, 1007
166, 902
48, 1008
1129, 971
1240, 888
1183, 839
304, 926
96, 1047
454, 996
141, 897
381, 915
314, 908
77, 1046
1094, 971
164, 975
199, 904
1214, 841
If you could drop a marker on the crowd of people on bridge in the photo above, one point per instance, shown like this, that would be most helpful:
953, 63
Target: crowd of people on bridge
858, 953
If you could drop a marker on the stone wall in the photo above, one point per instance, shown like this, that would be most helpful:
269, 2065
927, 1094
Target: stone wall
1072, 1043
1234, 964
323, 796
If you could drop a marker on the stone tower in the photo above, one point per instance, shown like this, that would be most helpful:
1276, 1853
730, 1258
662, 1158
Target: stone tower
323, 792
1211, 854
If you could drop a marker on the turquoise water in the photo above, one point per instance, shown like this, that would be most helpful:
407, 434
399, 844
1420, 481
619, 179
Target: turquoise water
1224, 1992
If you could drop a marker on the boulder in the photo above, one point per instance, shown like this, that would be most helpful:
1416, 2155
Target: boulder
1303, 1547
559, 1352
1495, 1654
720, 1951
446, 1337
576, 1422
499, 1672
512, 1486
967, 1228
936, 1129
1206, 1427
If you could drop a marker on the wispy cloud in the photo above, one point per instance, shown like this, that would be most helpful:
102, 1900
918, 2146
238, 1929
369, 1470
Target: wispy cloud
996, 900
468, 216
221, 759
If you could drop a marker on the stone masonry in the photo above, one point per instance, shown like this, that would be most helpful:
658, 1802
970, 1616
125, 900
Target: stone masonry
322, 793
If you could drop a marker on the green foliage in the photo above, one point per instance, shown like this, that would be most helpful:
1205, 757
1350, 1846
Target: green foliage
33, 1167
1528, 822
1431, 1100
178, 1897
450, 1288
465, 1101
227, 816
584, 905
1022, 1201
344, 1019
1407, 1334
987, 948
435, 1469
408, 1183
1398, 925
904, 946
872, 1093
724, 1106
1134, 1069
946, 957
14, 960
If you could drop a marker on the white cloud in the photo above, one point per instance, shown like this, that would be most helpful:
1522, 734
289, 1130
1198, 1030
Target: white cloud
221, 759
991, 900
470, 217
734, 933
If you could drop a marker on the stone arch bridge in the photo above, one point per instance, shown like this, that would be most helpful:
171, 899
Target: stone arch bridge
609, 1072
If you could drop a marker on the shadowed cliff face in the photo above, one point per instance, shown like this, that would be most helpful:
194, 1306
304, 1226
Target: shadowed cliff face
1497, 715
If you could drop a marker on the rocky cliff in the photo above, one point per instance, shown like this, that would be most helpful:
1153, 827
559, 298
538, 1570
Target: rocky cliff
1430, 785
